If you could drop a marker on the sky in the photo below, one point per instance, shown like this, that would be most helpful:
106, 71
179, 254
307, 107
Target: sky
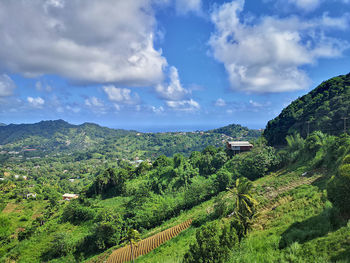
166, 65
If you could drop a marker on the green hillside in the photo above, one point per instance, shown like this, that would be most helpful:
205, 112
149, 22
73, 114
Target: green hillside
321, 109
297, 216
238, 132
285, 204
51, 137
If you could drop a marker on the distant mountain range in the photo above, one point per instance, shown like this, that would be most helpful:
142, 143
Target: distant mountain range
59, 136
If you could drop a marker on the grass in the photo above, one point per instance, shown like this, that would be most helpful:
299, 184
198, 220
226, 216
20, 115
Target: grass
296, 225
171, 251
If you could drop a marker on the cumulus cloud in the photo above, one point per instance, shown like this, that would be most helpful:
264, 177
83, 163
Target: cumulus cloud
184, 105
89, 41
307, 5
157, 110
341, 22
93, 102
120, 95
73, 108
268, 56
7, 86
220, 103
37, 102
185, 6
173, 90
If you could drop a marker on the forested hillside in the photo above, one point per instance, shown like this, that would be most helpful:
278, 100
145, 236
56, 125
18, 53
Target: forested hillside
56, 137
286, 204
280, 207
324, 109
238, 131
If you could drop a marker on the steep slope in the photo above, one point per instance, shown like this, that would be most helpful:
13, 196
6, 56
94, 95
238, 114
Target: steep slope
324, 108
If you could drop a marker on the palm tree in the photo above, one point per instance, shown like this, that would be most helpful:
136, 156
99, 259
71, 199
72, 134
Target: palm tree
132, 237
245, 204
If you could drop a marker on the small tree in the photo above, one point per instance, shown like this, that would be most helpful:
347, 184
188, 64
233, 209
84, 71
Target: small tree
132, 237
213, 244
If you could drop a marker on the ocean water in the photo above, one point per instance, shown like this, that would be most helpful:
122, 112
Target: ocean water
170, 128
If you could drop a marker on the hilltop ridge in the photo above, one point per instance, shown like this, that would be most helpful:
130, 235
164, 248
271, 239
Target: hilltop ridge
324, 108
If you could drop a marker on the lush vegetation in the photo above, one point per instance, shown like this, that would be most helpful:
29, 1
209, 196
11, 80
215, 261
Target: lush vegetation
289, 204
321, 109
88, 140
238, 132
271, 217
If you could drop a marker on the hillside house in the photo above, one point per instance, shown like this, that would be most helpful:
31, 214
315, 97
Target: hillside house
68, 197
31, 195
239, 146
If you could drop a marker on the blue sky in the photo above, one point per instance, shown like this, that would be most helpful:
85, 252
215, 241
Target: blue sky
156, 65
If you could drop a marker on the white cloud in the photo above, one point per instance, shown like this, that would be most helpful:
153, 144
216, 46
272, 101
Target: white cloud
93, 102
7, 86
173, 90
89, 41
158, 110
184, 105
185, 6
120, 95
73, 108
220, 103
255, 104
37, 102
95, 105
341, 22
259, 104
268, 56
307, 5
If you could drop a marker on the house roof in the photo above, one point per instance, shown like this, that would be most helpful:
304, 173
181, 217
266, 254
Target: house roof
240, 143
70, 195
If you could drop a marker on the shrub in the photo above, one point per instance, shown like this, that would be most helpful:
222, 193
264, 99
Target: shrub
338, 188
257, 162
213, 244
223, 180
76, 213
60, 246
5, 225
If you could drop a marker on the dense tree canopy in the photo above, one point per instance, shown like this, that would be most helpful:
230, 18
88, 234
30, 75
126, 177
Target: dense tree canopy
321, 109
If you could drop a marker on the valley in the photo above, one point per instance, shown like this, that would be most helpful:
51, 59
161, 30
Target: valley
83, 193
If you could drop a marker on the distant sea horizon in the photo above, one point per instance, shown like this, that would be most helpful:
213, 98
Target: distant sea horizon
166, 128
150, 128
172, 127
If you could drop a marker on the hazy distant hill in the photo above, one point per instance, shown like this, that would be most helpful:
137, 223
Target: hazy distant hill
60, 136
321, 109
238, 131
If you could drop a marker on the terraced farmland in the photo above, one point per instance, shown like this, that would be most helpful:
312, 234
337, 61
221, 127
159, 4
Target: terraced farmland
145, 246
